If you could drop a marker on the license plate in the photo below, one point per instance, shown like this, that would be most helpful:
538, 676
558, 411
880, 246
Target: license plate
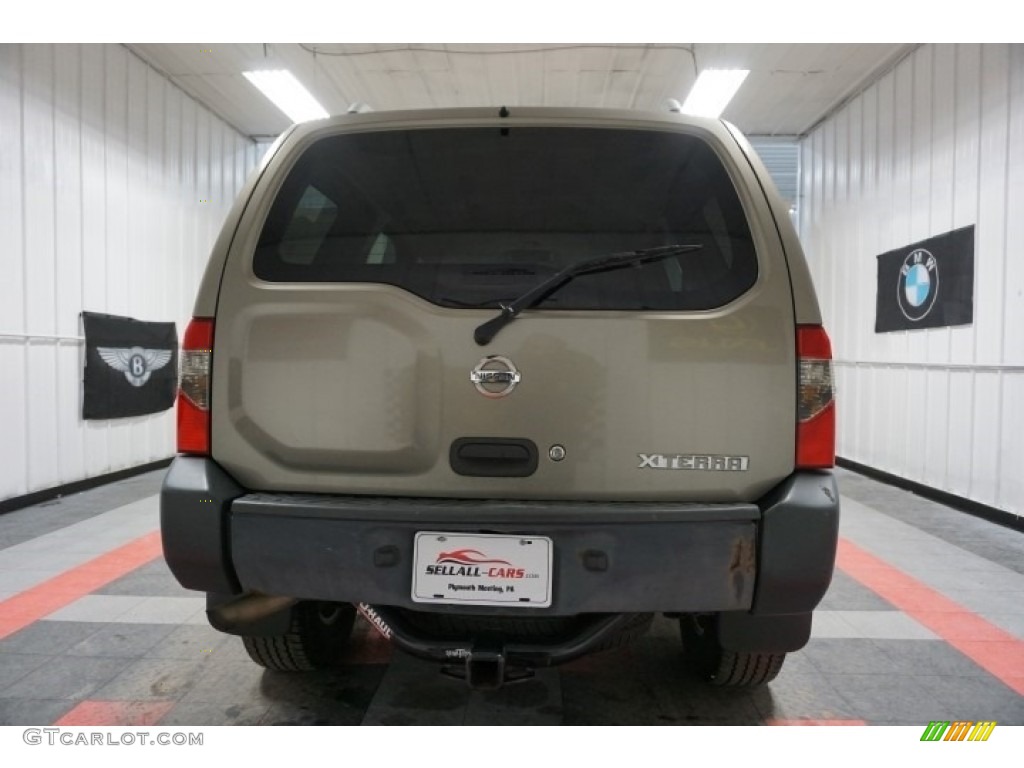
482, 569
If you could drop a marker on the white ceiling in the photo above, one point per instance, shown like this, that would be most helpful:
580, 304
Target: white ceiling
790, 88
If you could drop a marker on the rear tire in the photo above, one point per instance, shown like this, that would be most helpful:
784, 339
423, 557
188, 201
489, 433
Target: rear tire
318, 634
719, 666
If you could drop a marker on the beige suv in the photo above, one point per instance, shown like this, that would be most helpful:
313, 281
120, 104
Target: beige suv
508, 382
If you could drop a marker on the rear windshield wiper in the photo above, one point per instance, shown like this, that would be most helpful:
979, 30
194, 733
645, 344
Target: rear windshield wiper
484, 333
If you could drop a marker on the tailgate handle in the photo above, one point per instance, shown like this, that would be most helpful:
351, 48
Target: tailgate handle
493, 457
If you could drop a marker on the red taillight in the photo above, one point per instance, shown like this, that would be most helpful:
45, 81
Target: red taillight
194, 388
816, 409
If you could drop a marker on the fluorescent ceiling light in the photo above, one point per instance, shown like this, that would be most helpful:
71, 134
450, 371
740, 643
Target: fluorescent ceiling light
288, 94
713, 90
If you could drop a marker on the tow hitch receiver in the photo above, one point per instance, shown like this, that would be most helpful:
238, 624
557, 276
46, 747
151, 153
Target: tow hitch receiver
487, 663
485, 668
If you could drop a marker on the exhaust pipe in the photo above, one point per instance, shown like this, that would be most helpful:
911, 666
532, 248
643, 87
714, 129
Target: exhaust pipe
251, 614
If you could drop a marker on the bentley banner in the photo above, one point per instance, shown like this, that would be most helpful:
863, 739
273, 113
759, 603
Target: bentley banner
131, 367
929, 284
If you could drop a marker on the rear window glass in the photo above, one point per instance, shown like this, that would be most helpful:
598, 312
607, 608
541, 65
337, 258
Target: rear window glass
473, 217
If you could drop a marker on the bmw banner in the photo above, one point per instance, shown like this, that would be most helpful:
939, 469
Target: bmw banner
929, 284
131, 367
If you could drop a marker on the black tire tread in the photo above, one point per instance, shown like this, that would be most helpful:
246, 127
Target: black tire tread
746, 668
633, 630
281, 653
306, 646
725, 668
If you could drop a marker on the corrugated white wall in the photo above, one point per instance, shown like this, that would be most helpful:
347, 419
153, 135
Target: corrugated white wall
113, 185
936, 144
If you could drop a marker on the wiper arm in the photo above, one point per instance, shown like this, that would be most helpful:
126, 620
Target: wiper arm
487, 331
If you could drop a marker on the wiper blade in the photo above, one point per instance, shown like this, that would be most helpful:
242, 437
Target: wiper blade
487, 331
485, 304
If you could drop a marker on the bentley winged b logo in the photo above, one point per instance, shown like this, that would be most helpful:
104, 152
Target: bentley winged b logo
136, 363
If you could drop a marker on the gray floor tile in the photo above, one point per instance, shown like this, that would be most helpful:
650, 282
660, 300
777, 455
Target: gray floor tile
66, 677
121, 640
930, 657
878, 697
197, 714
799, 663
886, 625
165, 610
340, 697
14, 666
943, 578
66, 540
37, 712
973, 698
794, 696
228, 683
51, 559
53, 553
537, 701
232, 650
151, 580
847, 594
831, 624
832, 656
648, 683
988, 540
987, 602
31, 522
7, 538
1010, 622
96, 608
337, 697
309, 714
687, 701
413, 692
20, 581
192, 643
48, 638
152, 679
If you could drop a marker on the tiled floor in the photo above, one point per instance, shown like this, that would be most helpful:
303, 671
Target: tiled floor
924, 621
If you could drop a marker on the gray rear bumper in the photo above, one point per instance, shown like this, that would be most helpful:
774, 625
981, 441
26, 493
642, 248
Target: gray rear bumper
771, 558
607, 558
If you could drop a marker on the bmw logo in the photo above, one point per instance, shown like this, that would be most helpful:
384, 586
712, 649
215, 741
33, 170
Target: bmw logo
918, 284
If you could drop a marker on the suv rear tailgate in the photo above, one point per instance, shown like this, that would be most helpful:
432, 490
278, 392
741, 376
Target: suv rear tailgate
344, 328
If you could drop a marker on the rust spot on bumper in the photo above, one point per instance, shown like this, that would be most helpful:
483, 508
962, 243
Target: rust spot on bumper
742, 565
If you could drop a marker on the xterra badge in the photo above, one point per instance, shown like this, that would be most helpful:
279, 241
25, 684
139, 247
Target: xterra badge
495, 376
703, 462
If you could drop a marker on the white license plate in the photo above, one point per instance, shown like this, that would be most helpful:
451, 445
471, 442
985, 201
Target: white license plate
482, 569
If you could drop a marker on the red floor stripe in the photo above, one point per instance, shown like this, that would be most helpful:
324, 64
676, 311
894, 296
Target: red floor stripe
116, 713
43, 599
815, 722
988, 646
